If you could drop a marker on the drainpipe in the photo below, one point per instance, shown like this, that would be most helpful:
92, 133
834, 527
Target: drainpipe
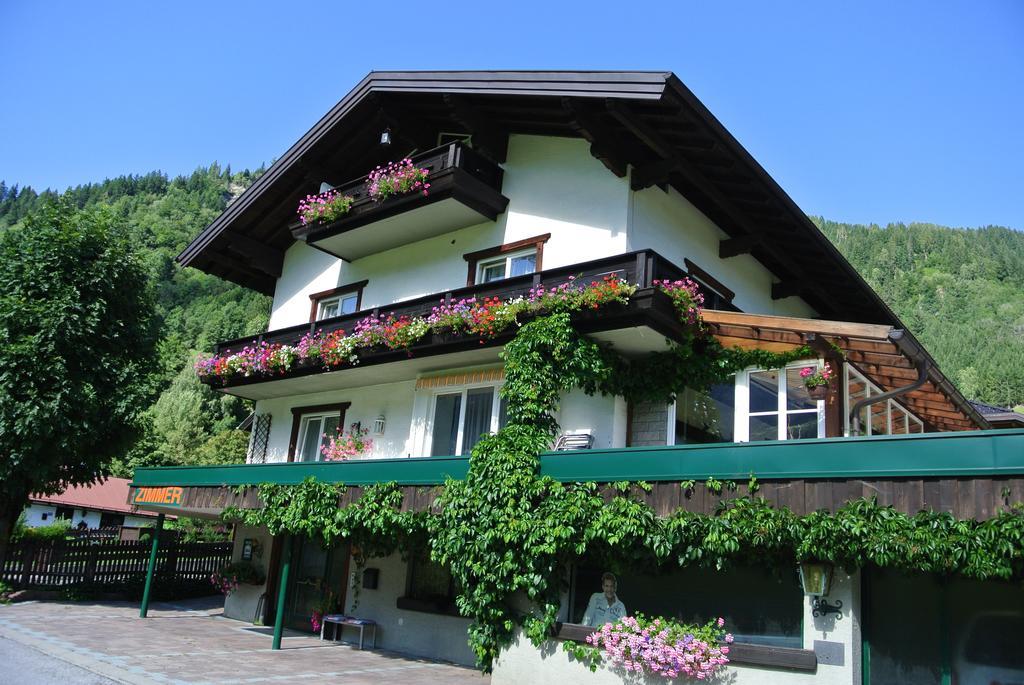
144, 609
921, 362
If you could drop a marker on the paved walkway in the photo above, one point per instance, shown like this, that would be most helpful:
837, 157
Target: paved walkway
192, 643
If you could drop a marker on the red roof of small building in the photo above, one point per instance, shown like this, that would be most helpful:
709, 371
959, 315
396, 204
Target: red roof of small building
109, 495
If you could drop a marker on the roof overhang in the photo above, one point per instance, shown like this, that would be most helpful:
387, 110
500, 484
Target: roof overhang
648, 122
888, 356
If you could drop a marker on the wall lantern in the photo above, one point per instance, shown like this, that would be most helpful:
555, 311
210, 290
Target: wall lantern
385, 137
816, 580
378, 425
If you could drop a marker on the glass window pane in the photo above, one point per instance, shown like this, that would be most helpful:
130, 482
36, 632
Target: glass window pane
446, 425
764, 391
328, 309
764, 427
898, 418
802, 425
492, 272
310, 440
706, 417
879, 419
796, 392
348, 303
502, 413
330, 429
479, 402
524, 264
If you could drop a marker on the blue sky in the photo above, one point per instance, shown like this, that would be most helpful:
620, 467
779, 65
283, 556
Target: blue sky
866, 112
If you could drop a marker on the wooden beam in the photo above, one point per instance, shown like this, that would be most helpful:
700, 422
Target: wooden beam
602, 143
266, 258
732, 247
786, 289
486, 137
748, 344
652, 173
839, 329
411, 129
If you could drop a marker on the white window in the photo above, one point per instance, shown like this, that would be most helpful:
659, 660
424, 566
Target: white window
506, 266
314, 430
886, 418
460, 417
774, 405
337, 306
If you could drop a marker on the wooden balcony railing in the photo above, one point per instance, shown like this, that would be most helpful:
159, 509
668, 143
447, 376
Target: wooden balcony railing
467, 182
642, 267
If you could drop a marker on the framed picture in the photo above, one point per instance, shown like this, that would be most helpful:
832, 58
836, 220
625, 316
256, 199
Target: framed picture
247, 549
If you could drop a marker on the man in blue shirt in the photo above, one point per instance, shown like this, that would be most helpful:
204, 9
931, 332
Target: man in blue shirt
604, 607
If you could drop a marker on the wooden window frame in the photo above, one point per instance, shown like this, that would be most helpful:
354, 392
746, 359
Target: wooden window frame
474, 258
316, 298
298, 412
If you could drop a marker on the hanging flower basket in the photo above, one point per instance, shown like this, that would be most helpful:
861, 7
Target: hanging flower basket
818, 392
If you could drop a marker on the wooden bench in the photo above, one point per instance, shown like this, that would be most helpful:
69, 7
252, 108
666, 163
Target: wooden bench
339, 621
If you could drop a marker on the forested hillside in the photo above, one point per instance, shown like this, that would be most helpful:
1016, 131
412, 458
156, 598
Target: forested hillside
960, 291
185, 422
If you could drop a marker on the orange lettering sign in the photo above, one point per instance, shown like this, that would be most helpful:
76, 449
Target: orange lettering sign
168, 496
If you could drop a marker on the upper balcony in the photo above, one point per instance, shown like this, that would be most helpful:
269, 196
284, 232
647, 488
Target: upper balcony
465, 189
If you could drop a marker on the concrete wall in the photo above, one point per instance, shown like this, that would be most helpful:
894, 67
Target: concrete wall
417, 633
650, 424
242, 603
550, 665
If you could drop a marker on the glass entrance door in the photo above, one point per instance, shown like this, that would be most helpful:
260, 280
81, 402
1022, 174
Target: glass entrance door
317, 580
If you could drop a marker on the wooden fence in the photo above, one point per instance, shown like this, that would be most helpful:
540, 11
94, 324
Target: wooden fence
64, 563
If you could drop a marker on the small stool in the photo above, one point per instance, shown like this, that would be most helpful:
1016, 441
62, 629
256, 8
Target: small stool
339, 621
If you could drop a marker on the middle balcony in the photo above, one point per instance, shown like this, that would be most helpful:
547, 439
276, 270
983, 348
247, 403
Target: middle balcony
465, 189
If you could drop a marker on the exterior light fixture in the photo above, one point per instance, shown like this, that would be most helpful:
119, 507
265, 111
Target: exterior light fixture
385, 137
378, 425
816, 581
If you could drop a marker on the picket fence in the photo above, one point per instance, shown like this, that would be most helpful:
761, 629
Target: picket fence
55, 564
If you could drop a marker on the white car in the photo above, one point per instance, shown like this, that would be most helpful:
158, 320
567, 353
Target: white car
991, 650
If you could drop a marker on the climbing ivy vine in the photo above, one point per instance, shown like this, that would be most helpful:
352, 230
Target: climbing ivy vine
508, 534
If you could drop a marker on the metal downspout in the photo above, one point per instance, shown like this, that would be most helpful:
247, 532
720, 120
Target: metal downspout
921, 363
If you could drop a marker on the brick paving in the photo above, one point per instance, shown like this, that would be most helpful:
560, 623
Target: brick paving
192, 643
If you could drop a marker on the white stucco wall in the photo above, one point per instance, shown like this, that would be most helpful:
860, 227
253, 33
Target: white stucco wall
671, 225
243, 602
550, 665
554, 186
411, 632
393, 400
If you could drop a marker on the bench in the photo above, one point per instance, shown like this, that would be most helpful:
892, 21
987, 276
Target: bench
339, 621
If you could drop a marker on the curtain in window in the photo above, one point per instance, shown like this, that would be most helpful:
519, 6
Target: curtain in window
478, 417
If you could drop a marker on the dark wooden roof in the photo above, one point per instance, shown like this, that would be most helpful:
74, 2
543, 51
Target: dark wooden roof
647, 120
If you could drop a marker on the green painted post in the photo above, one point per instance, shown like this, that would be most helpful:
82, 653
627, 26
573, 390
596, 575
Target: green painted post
144, 609
282, 592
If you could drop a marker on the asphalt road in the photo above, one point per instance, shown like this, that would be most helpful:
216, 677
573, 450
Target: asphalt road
21, 665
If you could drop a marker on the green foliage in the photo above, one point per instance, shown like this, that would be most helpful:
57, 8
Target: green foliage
508, 535
194, 310
58, 530
76, 341
958, 290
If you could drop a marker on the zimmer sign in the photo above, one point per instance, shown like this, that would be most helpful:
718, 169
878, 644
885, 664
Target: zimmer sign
167, 496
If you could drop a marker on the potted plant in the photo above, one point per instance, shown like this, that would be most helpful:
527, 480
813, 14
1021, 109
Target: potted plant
818, 380
397, 178
228, 578
324, 207
346, 445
